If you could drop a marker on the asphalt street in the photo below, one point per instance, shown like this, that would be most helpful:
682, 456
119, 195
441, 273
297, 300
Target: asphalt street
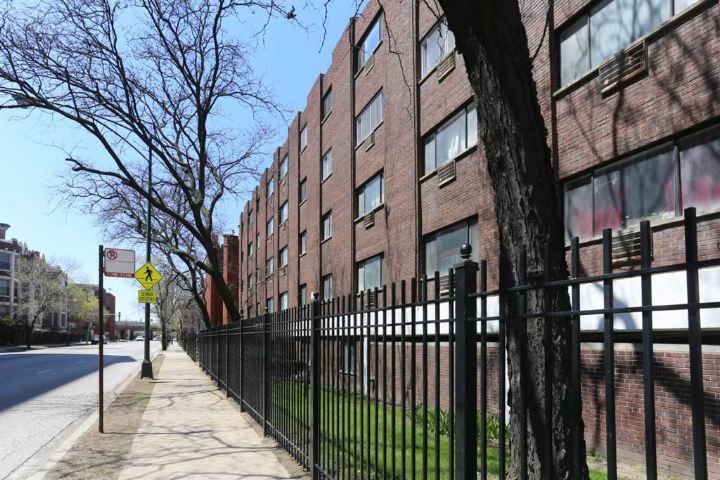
46, 394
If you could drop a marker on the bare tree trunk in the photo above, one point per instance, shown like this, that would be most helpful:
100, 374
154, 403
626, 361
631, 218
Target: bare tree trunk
492, 39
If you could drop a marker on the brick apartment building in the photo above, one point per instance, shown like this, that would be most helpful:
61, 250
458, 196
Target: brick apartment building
381, 177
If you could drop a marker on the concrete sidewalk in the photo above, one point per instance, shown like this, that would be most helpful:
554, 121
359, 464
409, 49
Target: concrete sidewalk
190, 430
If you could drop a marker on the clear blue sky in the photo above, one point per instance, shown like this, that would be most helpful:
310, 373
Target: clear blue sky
33, 149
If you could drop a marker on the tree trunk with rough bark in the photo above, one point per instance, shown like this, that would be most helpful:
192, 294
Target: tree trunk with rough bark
492, 39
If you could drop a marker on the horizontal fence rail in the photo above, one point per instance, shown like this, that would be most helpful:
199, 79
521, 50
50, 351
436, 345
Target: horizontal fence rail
396, 382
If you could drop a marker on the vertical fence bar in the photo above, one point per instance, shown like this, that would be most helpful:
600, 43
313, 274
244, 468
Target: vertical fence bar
648, 354
609, 359
403, 443
315, 388
575, 393
522, 337
501, 385
424, 298
413, 378
483, 370
436, 304
695, 340
266, 374
393, 402
384, 380
548, 471
465, 360
451, 375
361, 399
376, 303
227, 360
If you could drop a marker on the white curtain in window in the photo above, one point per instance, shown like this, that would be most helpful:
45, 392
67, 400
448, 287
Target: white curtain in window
450, 141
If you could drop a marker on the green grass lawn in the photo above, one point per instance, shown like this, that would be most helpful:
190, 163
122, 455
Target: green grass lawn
355, 444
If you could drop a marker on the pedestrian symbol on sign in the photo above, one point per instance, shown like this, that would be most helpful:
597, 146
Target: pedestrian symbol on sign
148, 276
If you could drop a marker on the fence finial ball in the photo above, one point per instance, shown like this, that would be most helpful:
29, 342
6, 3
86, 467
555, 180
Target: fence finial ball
465, 251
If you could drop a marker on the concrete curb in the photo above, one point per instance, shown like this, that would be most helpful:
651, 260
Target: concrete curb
83, 426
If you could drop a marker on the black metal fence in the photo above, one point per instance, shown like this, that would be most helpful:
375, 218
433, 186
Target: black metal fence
390, 383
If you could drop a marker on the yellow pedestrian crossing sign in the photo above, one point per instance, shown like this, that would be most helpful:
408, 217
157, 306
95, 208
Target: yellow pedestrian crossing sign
148, 276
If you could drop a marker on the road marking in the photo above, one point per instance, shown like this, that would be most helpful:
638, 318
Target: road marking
44, 371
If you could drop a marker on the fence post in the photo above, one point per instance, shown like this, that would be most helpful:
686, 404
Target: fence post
465, 365
266, 376
695, 345
241, 363
315, 387
227, 360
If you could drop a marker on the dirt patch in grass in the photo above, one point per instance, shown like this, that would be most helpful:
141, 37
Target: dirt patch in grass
101, 455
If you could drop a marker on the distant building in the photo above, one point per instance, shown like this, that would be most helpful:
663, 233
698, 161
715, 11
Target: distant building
12, 292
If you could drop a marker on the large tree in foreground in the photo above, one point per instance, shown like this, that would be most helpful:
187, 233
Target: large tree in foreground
151, 79
493, 42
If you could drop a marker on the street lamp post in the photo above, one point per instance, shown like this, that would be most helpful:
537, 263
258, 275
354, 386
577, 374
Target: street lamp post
147, 365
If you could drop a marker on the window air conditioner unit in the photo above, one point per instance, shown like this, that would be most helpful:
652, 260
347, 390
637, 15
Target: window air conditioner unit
622, 67
626, 247
446, 173
446, 66
444, 285
370, 141
369, 219
369, 64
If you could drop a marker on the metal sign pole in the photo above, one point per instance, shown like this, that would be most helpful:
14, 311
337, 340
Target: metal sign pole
101, 338
146, 371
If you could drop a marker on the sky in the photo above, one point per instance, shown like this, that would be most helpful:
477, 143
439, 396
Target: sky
34, 147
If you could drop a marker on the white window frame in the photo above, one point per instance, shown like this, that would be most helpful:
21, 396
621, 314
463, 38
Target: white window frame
302, 188
284, 169
363, 54
360, 196
303, 138
469, 115
270, 226
284, 212
447, 47
269, 266
370, 115
283, 301
360, 270
327, 226
302, 242
283, 256
270, 187
327, 279
327, 162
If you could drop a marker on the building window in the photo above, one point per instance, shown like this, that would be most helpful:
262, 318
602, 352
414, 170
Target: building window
249, 281
369, 43
442, 249
303, 138
607, 29
348, 359
327, 104
327, 226
283, 213
270, 226
302, 294
270, 186
370, 195
283, 301
327, 284
283, 257
4, 287
250, 249
250, 217
4, 261
4, 311
303, 190
436, 45
451, 139
369, 119
647, 187
269, 307
326, 165
269, 266
369, 274
303, 242
284, 167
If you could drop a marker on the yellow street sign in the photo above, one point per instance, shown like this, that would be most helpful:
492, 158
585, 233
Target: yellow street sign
147, 296
148, 276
